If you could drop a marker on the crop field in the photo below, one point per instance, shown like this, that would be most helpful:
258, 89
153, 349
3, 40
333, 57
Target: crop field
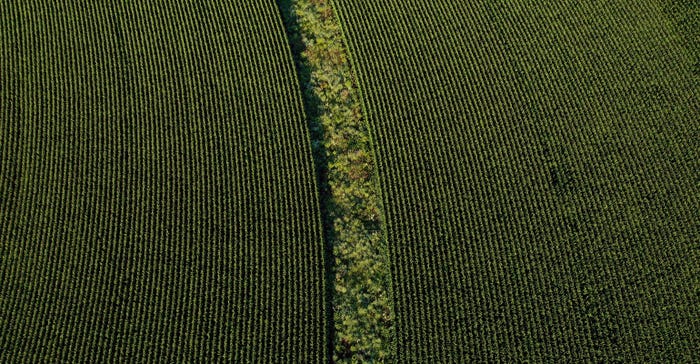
540, 167
158, 199
350, 181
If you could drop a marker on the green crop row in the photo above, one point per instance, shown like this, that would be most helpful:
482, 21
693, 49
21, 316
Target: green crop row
413, 181
158, 198
539, 165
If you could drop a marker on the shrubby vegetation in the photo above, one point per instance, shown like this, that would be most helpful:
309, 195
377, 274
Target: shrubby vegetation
362, 302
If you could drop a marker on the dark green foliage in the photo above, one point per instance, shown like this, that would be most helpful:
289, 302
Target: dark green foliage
685, 14
157, 194
540, 168
539, 165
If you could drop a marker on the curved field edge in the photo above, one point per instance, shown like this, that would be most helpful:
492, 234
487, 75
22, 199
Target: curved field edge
558, 171
362, 302
159, 201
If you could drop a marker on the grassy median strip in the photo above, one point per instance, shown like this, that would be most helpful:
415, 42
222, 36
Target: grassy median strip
362, 307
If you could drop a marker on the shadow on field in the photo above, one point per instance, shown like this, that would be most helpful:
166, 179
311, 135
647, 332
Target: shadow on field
313, 110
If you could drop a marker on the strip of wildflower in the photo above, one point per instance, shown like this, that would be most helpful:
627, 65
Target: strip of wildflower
363, 315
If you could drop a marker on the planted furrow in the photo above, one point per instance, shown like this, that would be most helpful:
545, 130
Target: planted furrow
538, 168
158, 190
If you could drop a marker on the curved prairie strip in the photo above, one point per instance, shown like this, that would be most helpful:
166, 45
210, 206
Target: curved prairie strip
363, 315
158, 194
